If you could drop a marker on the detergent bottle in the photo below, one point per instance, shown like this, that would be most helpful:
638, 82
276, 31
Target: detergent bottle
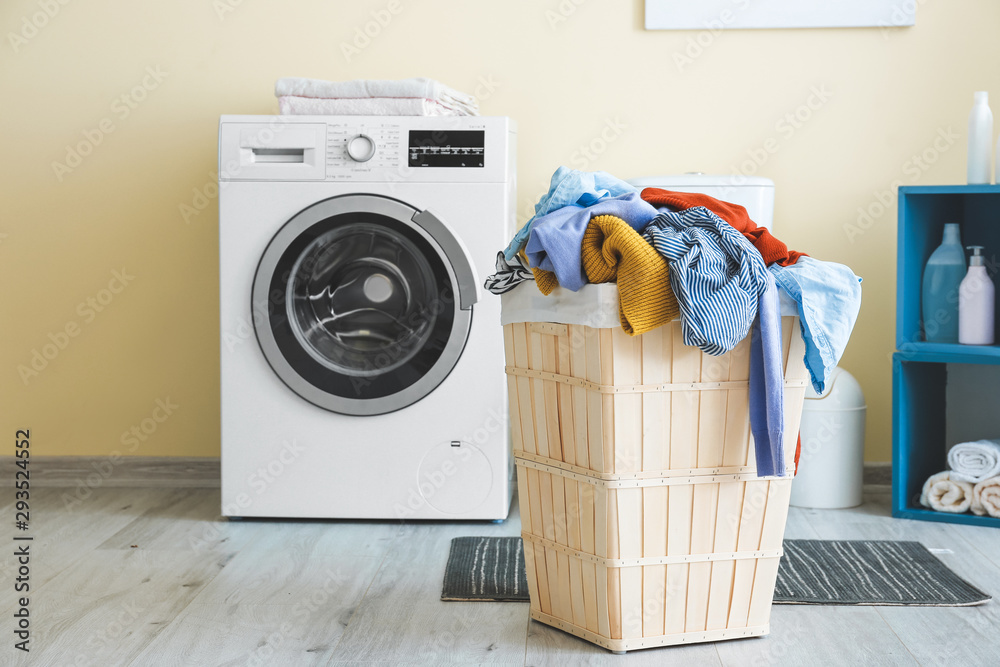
943, 275
975, 303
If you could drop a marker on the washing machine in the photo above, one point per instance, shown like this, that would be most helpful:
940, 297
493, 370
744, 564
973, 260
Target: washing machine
362, 371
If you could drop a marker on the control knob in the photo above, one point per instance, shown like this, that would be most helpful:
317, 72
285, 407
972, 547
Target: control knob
361, 148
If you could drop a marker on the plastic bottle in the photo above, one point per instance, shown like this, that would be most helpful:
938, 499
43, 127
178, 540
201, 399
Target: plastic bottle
997, 171
980, 139
943, 275
975, 303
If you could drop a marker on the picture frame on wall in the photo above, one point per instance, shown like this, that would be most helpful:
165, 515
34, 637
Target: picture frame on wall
762, 14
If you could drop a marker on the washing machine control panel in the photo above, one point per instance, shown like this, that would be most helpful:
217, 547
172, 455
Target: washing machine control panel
364, 147
356, 149
375, 149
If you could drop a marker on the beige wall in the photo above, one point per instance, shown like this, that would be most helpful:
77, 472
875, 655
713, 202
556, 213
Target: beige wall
588, 76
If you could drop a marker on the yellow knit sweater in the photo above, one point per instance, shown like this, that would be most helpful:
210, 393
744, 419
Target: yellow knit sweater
614, 252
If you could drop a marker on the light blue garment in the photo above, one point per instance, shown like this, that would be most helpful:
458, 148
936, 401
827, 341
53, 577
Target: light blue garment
569, 187
828, 296
554, 244
723, 288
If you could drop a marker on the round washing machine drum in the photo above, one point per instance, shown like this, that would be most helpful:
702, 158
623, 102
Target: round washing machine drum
362, 304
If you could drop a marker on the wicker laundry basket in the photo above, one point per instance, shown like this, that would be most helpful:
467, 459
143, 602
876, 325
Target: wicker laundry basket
643, 519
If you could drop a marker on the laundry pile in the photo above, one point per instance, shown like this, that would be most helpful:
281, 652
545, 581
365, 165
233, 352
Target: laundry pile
971, 483
369, 97
693, 256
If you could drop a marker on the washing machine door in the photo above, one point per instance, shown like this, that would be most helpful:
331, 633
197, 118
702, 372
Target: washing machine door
362, 304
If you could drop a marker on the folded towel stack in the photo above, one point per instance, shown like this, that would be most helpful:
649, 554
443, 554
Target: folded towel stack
405, 97
972, 484
944, 494
975, 461
986, 497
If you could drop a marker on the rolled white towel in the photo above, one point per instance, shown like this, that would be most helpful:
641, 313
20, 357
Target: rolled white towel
460, 103
943, 494
986, 497
974, 461
290, 105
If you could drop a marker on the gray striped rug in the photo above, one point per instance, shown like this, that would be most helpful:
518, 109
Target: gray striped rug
486, 568
826, 572
869, 572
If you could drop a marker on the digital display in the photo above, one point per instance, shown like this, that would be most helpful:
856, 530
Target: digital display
446, 148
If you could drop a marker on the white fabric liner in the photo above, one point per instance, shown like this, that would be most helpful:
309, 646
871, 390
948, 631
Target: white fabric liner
593, 306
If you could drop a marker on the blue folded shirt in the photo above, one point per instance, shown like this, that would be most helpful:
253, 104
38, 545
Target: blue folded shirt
828, 296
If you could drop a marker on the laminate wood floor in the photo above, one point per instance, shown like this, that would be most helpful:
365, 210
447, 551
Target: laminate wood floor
148, 576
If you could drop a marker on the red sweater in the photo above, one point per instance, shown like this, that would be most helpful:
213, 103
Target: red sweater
770, 248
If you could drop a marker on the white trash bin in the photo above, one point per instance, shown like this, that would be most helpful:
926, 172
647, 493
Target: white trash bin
831, 465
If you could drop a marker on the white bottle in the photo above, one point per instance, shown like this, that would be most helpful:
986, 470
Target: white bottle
980, 139
997, 172
975, 303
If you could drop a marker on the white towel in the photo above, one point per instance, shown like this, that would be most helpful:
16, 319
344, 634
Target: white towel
986, 497
944, 494
382, 106
975, 461
428, 89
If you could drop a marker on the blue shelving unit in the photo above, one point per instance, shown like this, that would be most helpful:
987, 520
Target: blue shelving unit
920, 369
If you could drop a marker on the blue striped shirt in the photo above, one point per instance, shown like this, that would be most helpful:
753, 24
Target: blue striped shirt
716, 274
721, 282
